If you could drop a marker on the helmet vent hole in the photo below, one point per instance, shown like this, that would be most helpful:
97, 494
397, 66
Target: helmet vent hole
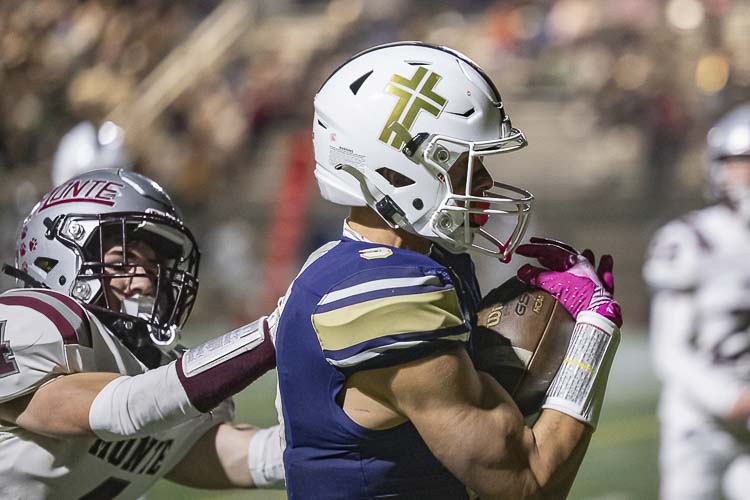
395, 179
45, 263
418, 203
322, 124
465, 114
418, 63
356, 84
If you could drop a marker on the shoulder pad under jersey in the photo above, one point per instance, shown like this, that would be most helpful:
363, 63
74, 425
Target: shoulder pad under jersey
674, 256
390, 311
35, 327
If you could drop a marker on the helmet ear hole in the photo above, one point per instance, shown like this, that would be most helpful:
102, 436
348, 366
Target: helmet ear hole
394, 178
46, 264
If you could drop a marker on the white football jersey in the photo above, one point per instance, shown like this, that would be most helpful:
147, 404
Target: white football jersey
43, 335
699, 269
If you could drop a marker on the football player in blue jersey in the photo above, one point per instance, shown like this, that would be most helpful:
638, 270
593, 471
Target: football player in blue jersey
378, 391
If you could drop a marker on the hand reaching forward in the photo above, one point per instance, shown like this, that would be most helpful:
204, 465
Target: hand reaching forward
571, 278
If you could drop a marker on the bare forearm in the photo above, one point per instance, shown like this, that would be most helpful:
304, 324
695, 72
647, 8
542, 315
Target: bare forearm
560, 445
218, 460
537, 462
70, 396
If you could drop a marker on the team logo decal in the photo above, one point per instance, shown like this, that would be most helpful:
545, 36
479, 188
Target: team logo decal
375, 253
414, 95
90, 191
8, 365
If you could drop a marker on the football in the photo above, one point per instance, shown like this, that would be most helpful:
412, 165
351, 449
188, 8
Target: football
521, 339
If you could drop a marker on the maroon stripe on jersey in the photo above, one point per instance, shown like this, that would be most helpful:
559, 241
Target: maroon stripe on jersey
70, 303
67, 330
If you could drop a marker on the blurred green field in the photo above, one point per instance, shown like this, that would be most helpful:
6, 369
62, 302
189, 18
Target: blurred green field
621, 463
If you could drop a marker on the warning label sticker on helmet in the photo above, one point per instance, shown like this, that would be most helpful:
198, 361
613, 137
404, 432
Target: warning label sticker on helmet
339, 155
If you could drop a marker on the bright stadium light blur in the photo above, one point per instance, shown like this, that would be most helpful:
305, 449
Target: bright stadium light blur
685, 14
712, 73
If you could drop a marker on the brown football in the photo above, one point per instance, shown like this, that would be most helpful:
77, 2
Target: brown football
521, 339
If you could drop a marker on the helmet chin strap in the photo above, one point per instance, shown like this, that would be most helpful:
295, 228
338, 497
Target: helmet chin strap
139, 306
22, 276
375, 190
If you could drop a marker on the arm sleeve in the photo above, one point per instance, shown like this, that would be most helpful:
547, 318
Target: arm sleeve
36, 328
387, 316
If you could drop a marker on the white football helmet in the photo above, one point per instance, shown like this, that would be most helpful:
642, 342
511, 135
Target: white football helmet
728, 140
415, 108
84, 148
61, 246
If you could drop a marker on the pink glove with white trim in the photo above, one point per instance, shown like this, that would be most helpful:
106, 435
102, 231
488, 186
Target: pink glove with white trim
570, 277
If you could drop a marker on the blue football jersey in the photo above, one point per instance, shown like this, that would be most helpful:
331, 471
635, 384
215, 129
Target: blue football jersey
361, 306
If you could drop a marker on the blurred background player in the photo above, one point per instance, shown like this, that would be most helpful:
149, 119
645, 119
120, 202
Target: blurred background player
86, 147
699, 270
94, 400
379, 395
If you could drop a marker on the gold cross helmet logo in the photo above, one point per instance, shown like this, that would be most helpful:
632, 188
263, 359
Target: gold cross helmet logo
416, 100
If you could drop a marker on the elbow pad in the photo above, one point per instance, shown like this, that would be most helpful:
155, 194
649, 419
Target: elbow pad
167, 396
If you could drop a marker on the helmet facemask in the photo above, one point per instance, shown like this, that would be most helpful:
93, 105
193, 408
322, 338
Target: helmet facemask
63, 242
145, 320
460, 217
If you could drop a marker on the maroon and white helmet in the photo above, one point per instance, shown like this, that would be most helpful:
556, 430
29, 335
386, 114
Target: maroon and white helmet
62, 242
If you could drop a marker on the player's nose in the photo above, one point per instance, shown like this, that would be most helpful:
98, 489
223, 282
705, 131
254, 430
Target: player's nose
139, 284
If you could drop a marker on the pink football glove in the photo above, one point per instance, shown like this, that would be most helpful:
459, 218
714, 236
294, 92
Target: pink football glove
570, 277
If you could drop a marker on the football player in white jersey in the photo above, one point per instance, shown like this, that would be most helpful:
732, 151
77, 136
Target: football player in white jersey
95, 399
698, 267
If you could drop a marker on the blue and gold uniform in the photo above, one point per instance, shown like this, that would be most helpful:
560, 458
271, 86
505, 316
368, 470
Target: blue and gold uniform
361, 306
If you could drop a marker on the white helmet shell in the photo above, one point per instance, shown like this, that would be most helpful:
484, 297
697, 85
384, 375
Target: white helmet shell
84, 148
415, 109
729, 139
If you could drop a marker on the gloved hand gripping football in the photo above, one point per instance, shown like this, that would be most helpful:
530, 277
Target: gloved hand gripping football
579, 385
571, 278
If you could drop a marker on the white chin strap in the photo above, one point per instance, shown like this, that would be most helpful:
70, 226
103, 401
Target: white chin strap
142, 307
139, 306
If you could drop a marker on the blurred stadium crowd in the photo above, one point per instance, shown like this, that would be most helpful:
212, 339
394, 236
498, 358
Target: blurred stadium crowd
215, 99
